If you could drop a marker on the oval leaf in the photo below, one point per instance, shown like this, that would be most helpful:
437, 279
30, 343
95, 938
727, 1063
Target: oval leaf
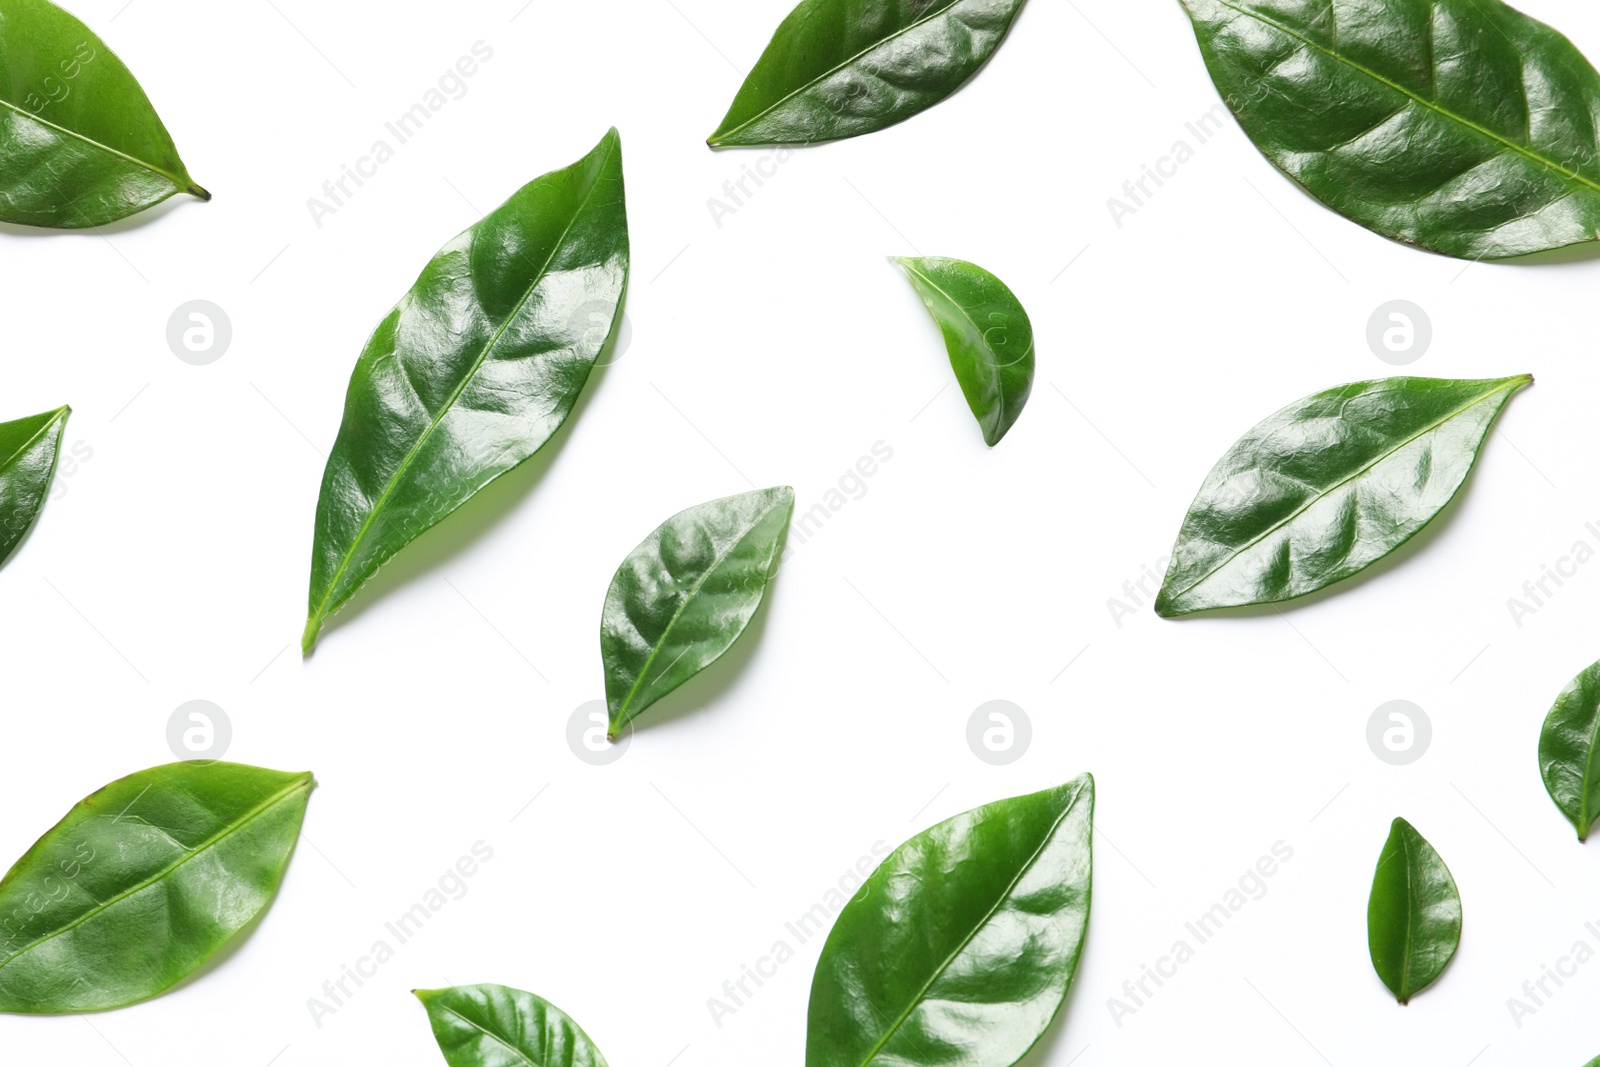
1414, 914
496, 1026
143, 882
987, 334
1459, 126
80, 144
961, 946
683, 597
841, 68
473, 371
28, 451
1326, 487
1568, 758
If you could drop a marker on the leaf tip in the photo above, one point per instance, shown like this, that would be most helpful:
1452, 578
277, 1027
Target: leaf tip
308, 638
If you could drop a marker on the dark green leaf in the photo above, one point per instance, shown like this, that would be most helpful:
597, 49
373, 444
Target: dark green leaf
962, 944
28, 449
1460, 126
80, 144
683, 597
1414, 914
1568, 751
987, 333
1326, 487
473, 371
841, 68
496, 1026
143, 882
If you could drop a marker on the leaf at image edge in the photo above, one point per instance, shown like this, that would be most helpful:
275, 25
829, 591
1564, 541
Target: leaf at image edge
467, 1021
1569, 747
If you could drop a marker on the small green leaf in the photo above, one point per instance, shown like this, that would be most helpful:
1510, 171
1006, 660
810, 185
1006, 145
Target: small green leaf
496, 1026
143, 882
1326, 487
987, 334
1460, 126
1414, 914
28, 451
1569, 757
473, 371
683, 597
80, 143
841, 68
961, 946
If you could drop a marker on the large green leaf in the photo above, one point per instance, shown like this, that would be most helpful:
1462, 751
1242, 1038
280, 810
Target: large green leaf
496, 1026
473, 371
1326, 487
28, 451
841, 68
987, 334
80, 144
1460, 126
143, 882
683, 597
961, 946
1414, 914
1569, 750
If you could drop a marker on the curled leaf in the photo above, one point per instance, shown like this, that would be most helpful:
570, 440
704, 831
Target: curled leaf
1569, 757
28, 451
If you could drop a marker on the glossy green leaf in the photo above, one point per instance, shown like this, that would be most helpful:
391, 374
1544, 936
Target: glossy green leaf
473, 371
1459, 126
1414, 914
143, 882
683, 597
80, 143
961, 946
1326, 487
1569, 755
496, 1026
987, 334
28, 451
841, 68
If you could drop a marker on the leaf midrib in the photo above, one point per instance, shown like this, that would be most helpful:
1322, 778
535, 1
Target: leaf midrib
1572, 176
1588, 768
1510, 384
486, 1032
297, 785
1005, 895
694, 591
1405, 959
323, 608
184, 183
27, 446
722, 136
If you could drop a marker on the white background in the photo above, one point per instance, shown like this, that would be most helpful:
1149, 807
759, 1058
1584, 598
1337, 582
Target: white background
778, 348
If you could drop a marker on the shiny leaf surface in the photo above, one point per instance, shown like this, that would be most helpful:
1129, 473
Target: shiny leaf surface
960, 948
841, 68
496, 1026
1326, 487
683, 597
1568, 760
1414, 914
987, 334
28, 451
142, 882
1460, 126
80, 143
473, 371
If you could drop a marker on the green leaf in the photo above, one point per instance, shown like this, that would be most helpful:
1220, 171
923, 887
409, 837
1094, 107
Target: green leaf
961, 946
841, 68
473, 371
496, 1026
28, 451
1459, 126
80, 143
1414, 914
1568, 758
143, 882
987, 333
683, 597
1327, 487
